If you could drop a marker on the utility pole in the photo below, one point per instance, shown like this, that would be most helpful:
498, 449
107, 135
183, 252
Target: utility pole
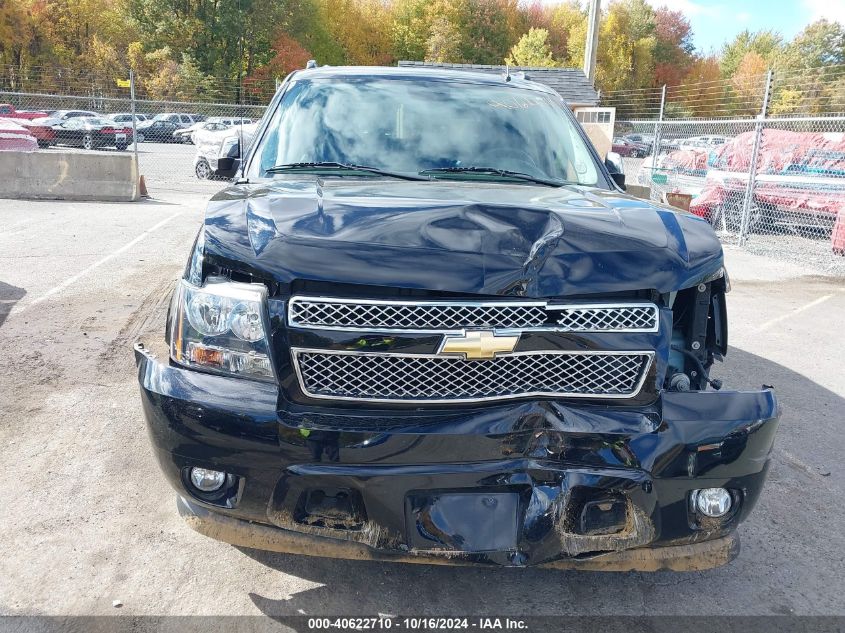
592, 44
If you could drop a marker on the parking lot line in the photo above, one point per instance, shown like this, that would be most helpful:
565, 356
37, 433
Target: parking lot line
73, 279
812, 304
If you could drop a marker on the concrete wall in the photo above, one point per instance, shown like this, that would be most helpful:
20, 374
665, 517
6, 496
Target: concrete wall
56, 175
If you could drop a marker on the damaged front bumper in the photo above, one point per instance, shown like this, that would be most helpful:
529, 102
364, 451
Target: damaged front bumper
525, 483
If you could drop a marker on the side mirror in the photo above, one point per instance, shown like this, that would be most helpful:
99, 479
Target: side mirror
613, 162
229, 159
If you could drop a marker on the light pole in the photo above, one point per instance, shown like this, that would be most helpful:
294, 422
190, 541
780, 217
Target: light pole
592, 44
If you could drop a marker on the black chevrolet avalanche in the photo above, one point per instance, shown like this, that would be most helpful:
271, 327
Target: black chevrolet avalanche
425, 324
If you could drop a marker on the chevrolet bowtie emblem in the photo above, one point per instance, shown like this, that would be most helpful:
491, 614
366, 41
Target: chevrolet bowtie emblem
478, 344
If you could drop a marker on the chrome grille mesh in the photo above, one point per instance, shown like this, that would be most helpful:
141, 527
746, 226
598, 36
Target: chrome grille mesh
608, 319
386, 377
417, 316
451, 316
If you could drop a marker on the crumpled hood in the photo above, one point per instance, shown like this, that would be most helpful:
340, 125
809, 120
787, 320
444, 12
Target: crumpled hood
479, 238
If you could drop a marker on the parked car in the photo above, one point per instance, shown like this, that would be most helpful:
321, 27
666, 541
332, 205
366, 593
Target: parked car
218, 151
703, 141
160, 131
64, 115
422, 328
645, 141
799, 184
126, 117
15, 137
92, 133
624, 147
8, 111
41, 129
212, 124
179, 119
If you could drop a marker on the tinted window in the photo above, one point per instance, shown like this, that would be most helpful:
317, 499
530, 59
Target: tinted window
410, 125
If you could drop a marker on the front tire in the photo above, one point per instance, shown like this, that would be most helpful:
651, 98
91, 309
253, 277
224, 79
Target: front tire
202, 170
87, 142
730, 212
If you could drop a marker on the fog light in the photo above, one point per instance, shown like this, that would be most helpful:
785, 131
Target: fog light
713, 502
207, 480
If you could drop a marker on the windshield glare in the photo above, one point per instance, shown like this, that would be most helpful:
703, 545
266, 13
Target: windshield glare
409, 125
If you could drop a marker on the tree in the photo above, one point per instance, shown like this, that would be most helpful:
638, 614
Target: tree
568, 20
289, 55
673, 47
625, 55
821, 43
532, 50
702, 92
767, 44
485, 27
749, 82
444, 42
410, 29
811, 63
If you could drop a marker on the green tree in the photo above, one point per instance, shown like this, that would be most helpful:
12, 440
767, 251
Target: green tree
532, 50
766, 44
444, 42
567, 21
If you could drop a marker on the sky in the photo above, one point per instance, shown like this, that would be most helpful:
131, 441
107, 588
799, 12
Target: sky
715, 22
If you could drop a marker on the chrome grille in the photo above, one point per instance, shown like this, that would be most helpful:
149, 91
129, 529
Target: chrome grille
428, 378
445, 316
629, 318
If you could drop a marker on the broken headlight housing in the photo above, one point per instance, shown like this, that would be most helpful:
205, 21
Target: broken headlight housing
221, 327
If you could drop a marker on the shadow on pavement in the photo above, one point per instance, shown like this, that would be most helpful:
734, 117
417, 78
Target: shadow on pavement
9, 296
775, 539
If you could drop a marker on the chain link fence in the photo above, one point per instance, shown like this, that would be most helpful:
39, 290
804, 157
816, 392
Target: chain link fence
766, 169
180, 141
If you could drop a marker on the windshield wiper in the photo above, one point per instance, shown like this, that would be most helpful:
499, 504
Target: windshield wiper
334, 166
493, 171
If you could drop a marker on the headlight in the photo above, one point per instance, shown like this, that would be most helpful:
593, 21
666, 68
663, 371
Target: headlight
221, 327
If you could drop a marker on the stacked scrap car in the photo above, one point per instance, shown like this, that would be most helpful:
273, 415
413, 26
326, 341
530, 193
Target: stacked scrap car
799, 183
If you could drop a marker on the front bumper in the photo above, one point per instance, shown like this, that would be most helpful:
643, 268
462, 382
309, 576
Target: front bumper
524, 483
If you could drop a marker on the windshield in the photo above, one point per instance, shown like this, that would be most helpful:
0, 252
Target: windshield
412, 126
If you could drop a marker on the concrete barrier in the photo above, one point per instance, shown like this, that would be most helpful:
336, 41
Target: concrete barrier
56, 175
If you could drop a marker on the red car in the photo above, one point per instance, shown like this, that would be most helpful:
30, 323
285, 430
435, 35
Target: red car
624, 147
8, 111
15, 138
41, 129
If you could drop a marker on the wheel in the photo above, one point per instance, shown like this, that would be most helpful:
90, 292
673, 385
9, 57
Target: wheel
140, 138
43, 144
87, 142
730, 213
202, 170
121, 147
